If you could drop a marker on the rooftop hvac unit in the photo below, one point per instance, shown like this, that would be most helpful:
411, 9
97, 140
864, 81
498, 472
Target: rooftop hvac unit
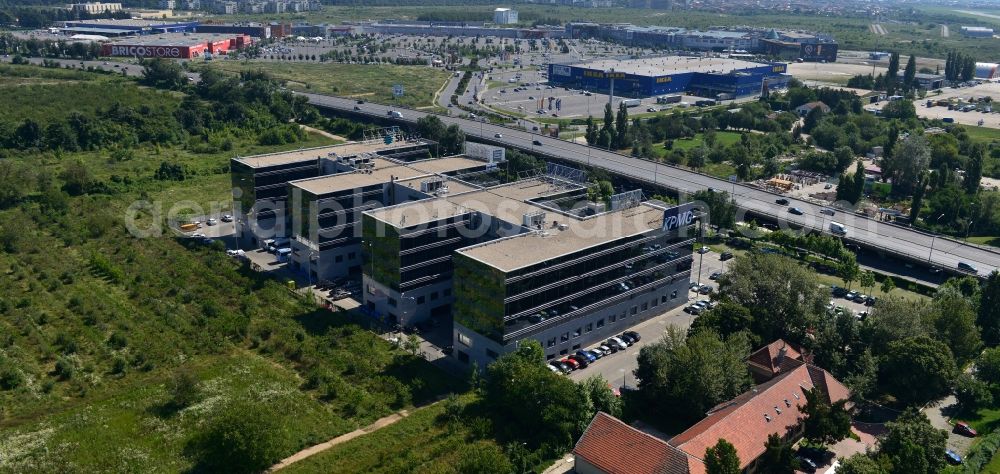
431, 185
533, 219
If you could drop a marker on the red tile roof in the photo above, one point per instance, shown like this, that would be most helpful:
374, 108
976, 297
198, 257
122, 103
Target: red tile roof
776, 357
615, 447
747, 420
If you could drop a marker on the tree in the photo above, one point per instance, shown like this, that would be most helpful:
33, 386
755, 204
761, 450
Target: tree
163, 74
722, 458
726, 319
531, 403
15, 182
608, 126
823, 422
953, 322
910, 158
913, 445
918, 199
778, 457
974, 170
910, 73
988, 366
453, 141
721, 208
860, 463
183, 389
598, 393
916, 370
848, 268
783, 296
888, 285
899, 109
972, 393
242, 437
76, 178
431, 127
591, 131
867, 280
682, 378
621, 127
483, 457
892, 74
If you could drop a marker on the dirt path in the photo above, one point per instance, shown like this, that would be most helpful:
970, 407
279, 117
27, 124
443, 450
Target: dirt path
323, 132
319, 448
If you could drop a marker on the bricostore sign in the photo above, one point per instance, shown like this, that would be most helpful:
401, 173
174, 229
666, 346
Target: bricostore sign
146, 51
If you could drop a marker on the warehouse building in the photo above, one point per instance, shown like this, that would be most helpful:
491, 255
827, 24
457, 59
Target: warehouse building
721, 78
256, 30
129, 27
977, 32
504, 16
260, 182
176, 45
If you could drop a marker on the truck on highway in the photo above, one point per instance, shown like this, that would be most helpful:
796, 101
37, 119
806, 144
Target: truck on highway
632, 102
838, 228
669, 99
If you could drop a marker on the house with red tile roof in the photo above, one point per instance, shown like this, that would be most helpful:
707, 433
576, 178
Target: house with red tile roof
773, 359
773, 407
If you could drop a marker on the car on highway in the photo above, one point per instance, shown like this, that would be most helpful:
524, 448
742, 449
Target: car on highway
827, 211
965, 267
536, 142
782, 201
964, 429
360, 102
726, 256
497, 135
795, 210
357, 108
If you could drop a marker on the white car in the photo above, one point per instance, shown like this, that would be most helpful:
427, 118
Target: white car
212, 221
227, 218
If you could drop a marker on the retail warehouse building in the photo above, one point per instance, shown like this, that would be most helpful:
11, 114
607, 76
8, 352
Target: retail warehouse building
718, 78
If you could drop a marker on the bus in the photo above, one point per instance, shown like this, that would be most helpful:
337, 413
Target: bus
632, 102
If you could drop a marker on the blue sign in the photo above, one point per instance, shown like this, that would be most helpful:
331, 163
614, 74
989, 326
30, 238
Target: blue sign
678, 216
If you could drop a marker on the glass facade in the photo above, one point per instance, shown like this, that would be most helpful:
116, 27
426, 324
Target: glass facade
531, 299
381, 252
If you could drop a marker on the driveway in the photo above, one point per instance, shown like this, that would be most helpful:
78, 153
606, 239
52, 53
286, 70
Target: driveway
940, 415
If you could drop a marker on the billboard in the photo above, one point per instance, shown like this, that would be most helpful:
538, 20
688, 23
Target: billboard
561, 70
678, 216
492, 154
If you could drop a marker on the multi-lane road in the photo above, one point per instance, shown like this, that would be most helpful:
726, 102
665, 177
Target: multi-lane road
893, 239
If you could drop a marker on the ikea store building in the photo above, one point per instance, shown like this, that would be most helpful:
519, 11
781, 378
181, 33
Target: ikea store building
717, 78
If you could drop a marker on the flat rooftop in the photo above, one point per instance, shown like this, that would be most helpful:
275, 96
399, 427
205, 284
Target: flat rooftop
175, 39
507, 202
666, 65
531, 248
344, 150
383, 172
110, 23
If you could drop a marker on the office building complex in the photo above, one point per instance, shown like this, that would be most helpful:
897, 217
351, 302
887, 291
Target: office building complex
94, 8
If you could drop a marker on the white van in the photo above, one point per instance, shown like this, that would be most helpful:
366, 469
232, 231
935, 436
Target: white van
838, 228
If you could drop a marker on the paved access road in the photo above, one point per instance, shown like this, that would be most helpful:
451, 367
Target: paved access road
897, 240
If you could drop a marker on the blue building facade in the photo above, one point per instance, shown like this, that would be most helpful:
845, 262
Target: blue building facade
740, 83
130, 27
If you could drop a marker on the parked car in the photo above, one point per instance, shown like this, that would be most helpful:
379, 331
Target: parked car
692, 309
964, 429
562, 366
227, 218
614, 341
590, 357
582, 360
573, 364
851, 295
554, 369
715, 276
693, 286
782, 201
704, 250
806, 464
819, 456
609, 349
628, 339
726, 256
633, 335
838, 292
211, 221
952, 457
705, 290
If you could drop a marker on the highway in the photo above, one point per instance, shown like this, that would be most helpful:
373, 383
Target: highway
901, 241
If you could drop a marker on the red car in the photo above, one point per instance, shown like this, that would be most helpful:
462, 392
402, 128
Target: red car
964, 429
572, 363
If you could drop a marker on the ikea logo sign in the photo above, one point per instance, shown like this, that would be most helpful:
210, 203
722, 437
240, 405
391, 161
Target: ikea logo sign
677, 217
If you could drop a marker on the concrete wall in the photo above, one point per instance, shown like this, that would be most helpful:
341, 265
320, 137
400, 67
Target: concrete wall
407, 310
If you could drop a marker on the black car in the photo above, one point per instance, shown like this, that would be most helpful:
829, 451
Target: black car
562, 366
817, 455
360, 102
839, 292
581, 360
536, 143
806, 464
627, 338
796, 211
782, 201
726, 256
633, 335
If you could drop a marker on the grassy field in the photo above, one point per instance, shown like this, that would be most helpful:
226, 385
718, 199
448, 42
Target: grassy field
367, 82
393, 449
94, 320
983, 134
722, 138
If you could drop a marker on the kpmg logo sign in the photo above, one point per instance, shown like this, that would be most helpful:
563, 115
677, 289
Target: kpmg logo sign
677, 217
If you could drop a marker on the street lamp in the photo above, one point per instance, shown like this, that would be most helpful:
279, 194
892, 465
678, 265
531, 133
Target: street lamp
933, 238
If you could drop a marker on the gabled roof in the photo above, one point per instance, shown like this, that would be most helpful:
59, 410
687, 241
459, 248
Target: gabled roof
615, 447
813, 105
776, 357
747, 420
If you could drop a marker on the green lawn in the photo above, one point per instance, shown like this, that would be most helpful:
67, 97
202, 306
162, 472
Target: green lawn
722, 138
985, 240
982, 134
719, 170
369, 82
419, 443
